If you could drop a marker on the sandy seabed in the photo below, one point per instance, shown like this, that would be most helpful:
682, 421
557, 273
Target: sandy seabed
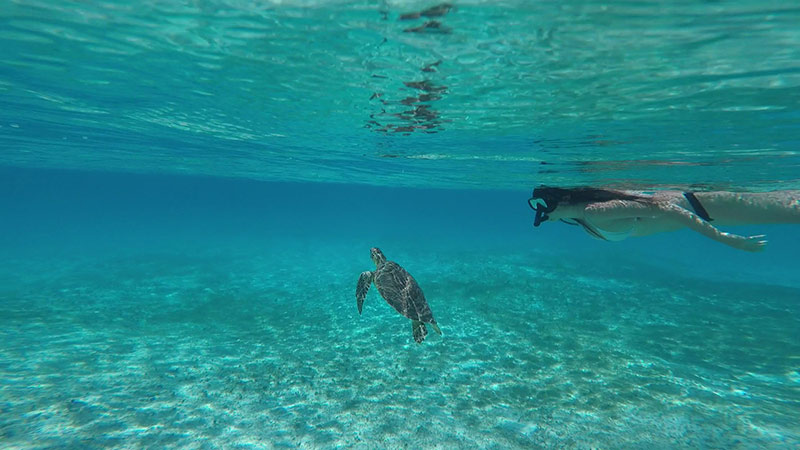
246, 349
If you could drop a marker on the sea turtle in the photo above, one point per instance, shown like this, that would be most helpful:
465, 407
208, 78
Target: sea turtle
400, 290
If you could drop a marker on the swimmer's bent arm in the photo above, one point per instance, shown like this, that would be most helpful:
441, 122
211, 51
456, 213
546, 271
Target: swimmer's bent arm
622, 209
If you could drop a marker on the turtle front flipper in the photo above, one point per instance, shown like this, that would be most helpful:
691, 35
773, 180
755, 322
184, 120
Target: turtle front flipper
419, 331
364, 280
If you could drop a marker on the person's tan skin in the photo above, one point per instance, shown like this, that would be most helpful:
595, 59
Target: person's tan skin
669, 211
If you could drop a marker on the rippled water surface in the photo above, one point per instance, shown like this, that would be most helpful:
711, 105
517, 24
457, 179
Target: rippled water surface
483, 94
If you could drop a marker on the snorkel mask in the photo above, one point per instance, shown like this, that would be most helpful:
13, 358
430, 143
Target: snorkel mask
540, 206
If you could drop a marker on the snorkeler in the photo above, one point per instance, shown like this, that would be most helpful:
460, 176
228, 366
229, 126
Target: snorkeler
614, 215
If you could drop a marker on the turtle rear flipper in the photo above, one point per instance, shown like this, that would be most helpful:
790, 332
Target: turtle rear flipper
436, 328
364, 280
418, 330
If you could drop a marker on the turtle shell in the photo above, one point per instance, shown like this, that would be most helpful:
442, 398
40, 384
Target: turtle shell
402, 292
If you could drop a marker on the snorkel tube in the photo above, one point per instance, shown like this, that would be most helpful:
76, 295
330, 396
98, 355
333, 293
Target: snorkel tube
538, 203
540, 206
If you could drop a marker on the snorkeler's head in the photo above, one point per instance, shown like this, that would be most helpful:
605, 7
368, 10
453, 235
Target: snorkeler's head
541, 207
546, 199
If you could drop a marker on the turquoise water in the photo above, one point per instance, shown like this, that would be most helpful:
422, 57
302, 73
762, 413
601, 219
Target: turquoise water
189, 191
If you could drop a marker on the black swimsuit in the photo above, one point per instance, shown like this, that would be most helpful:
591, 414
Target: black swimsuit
697, 206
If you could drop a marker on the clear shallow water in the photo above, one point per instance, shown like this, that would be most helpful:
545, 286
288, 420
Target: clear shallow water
180, 351
143, 311
188, 194
629, 93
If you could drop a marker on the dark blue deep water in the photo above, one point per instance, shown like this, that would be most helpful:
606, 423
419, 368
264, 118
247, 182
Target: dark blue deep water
190, 190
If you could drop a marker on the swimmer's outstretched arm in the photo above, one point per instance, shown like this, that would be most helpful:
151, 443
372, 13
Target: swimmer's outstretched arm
622, 209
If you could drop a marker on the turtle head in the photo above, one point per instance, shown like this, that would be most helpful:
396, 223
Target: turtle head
377, 256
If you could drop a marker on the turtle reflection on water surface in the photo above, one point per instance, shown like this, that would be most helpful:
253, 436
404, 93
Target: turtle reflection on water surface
400, 290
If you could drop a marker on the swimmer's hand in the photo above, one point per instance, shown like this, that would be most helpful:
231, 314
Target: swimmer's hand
746, 243
694, 222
